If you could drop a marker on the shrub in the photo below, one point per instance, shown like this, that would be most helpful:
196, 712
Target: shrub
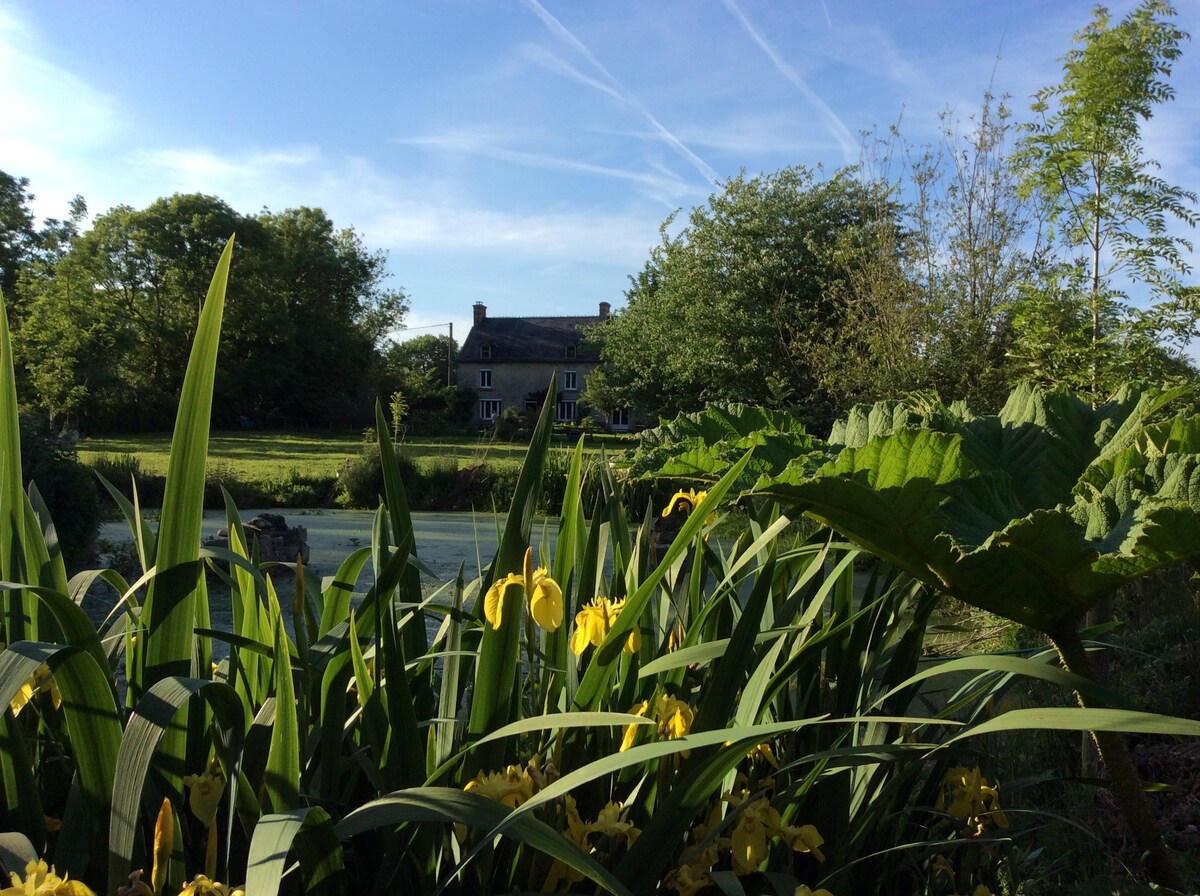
69, 489
360, 478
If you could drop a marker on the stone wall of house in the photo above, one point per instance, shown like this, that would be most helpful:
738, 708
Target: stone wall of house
514, 384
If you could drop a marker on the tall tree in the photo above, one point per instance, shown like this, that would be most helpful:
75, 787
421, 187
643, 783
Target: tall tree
332, 288
422, 370
112, 313
930, 307
1114, 215
729, 307
17, 233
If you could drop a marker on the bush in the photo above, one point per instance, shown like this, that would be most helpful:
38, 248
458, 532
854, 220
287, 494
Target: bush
360, 478
69, 489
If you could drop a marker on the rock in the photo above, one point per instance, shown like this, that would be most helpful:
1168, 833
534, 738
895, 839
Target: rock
275, 540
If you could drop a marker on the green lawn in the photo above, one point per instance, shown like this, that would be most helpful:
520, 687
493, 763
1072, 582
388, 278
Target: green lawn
255, 456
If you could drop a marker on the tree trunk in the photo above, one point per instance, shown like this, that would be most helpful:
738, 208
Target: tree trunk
1122, 776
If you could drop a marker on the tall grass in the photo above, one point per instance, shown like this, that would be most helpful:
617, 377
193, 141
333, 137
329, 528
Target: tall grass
747, 713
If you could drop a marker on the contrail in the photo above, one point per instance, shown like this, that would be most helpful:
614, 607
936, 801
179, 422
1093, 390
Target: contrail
621, 92
825, 9
841, 133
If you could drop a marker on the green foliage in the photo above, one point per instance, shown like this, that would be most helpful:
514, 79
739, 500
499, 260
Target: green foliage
17, 234
67, 487
1114, 214
108, 315
421, 369
393, 740
739, 294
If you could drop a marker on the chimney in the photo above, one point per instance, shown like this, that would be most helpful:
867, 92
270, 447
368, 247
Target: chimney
604, 309
480, 312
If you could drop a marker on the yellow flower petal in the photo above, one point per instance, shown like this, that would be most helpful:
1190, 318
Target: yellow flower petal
546, 601
638, 709
164, 843
634, 642
493, 602
591, 625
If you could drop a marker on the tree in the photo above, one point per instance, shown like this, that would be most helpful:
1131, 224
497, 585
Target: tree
930, 306
17, 233
1114, 215
730, 307
331, 287
112, 312
421, 369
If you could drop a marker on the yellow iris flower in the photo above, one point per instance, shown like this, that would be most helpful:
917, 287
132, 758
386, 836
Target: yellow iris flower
593, 622
205, 792
755, 827
164, 843
202, 886
684, 502
674, 717
545, 596
39, 682
511, 787
972, 799
610, 824
42, 880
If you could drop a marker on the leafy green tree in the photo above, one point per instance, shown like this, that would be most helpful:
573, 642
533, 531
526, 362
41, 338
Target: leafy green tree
17, 233
112, 311
332, 289
422, 369
730, 307
930, 306
1113, 214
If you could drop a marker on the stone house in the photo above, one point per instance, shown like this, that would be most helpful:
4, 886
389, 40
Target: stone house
508, 362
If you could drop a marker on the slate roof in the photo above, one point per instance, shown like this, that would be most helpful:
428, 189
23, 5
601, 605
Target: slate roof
528, 339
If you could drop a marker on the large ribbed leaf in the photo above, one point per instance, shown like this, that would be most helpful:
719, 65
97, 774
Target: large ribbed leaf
12, 494
499, 649
1036, 514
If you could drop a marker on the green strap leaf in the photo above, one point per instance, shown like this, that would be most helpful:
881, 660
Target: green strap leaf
449, 805
92, 718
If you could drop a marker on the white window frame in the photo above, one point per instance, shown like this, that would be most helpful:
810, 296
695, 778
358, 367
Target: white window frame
485, 378
572, 351
619, 419
485, 351
563, 405
570, 381
494, 405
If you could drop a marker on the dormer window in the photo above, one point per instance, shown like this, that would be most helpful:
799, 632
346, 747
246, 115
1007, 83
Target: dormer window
485, 351
572, 351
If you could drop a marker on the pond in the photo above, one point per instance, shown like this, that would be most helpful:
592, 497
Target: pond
444, 542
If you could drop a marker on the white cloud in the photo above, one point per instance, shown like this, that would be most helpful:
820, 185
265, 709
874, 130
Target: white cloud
52, 119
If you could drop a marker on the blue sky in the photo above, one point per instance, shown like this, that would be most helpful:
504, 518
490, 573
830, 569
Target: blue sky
522, 154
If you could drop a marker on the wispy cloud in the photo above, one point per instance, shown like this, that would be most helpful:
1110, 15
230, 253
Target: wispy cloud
845, 139
398, 214
656, 183
613, 87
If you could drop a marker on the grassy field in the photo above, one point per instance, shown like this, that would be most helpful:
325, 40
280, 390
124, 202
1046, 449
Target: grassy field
256, 456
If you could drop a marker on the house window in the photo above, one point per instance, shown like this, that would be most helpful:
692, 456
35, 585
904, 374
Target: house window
532, 407
485, 351
564, 412
485, 379
619, 419
489, 408
571, 381
572, 351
